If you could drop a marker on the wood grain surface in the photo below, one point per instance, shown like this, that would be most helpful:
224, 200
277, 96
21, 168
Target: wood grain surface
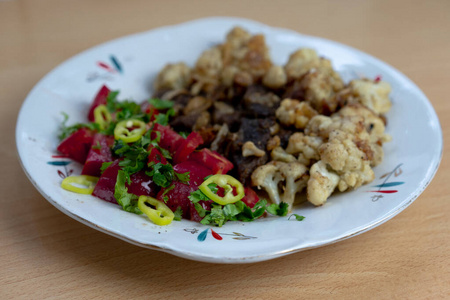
44, 254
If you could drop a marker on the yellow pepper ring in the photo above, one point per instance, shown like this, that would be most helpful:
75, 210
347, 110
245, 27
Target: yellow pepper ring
102, 116
88, 181
226, 182
157, 212
129, 131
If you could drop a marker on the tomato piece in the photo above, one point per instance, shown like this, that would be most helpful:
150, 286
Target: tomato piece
99, 153
99, 99
77, 145
170, 140
250, 198
156, 156
213, 160
187, 147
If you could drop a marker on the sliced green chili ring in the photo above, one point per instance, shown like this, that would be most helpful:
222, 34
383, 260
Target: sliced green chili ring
156, 211
129, 131
102, 116
226, 182
88, 182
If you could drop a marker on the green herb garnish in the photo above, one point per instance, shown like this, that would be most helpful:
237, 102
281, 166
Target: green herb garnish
297, 217
126, 200
66, 131
178, 213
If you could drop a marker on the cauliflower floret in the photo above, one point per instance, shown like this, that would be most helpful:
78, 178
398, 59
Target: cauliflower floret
365, 127
322, 126
248, 53
305, 147
373, 123
321, 183
294, 112
344, 156
268, 176
341, 152
354, 179
207, 71
249, 149
278, 154
374, 126
320, 89
293, 175
273, 142
374, 95
237, 37
228, 75
275, 77
296, 179
209, 64
319, 126
301, 61
173, 76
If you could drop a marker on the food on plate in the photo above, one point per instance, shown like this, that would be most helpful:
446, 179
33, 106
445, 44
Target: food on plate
218, 138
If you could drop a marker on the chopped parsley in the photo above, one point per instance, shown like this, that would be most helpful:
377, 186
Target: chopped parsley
178, 213
238, 211
163, 119
166, 198
105, 166
124, 110
163, 174
297, 217
126, 200
66, 131
161, 104
278, 209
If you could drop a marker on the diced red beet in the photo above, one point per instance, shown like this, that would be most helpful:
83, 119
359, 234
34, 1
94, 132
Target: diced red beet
187, 146
100, 153
197, 172
250, 198
98, 100
141, 184
213, 160
147, 108
178, 196
77, 145
194, 214
106, 184
170, 140
156, 156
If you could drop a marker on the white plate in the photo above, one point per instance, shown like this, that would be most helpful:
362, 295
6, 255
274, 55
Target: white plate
131, 63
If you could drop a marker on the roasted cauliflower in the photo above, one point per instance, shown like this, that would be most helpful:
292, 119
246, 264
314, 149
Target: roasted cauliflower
283, 127
296, 113
321, 183
305, 147
292, 177
372, 94
173, 77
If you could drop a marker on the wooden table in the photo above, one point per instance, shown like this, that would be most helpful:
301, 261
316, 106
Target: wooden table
45, 254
